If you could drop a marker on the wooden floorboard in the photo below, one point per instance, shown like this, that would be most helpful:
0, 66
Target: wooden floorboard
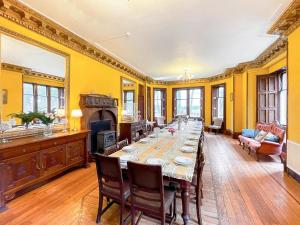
237, 190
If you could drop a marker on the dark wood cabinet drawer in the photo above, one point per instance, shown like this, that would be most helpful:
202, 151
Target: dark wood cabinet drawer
75, 152
19, 150
53, 143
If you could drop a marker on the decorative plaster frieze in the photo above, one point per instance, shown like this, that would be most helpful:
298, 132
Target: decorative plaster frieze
30, 72
288, 21
19, 13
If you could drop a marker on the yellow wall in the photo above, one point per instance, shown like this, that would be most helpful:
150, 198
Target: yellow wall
90, 76
293, 157
12, 82
86, 75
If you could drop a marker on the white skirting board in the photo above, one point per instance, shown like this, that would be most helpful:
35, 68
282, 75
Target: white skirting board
293, 156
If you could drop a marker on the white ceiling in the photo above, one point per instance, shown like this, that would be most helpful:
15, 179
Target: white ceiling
169, 36
19, 53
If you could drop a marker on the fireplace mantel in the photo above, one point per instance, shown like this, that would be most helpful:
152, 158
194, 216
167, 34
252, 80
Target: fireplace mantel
97, 101
98, 107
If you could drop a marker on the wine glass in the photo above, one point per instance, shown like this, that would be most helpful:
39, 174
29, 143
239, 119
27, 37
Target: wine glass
3, 127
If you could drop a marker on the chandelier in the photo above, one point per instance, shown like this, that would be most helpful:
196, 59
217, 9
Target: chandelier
186, 76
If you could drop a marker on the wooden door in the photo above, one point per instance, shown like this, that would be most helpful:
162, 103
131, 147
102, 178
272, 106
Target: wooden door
75, 152
267, 98
149, 103
141, 101
53, 159
21, 170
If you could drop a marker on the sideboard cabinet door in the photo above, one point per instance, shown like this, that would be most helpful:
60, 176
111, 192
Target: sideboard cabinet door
75, 152
21, 170
53, 159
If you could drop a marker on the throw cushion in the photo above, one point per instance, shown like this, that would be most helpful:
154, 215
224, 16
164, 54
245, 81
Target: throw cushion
248, 133
260, 136
271, 137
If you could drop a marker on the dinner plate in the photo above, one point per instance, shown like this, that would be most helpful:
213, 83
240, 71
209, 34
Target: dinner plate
190, 143
128, 148
187, 149
197, 129
126, 158
183, 161
155, 161
193, 138
144, 141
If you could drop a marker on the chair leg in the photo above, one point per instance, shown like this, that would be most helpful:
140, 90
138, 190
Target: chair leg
99, 214
198, 208
122, 207
132, 216
257, 157
163, 221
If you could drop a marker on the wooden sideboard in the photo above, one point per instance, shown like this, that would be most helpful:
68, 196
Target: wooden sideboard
28, 161
130, 129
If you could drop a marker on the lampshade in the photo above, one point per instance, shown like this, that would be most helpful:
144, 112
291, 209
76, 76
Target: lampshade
76, 113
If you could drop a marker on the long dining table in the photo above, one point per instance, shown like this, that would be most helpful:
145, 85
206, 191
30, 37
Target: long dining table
166, 146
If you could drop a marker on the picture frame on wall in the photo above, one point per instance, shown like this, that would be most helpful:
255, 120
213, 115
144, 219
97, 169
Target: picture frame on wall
4, 96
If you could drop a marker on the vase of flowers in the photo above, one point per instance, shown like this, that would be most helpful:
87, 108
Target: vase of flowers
172, 131
47, 119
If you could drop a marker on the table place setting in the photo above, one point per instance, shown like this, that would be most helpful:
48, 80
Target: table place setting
152, 136
156, 161
193, 138
190, 143
129, 149
144, 141
125, 158
183, 161
188, 149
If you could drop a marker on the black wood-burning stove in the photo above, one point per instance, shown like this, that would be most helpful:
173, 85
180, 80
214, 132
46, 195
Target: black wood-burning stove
105, 139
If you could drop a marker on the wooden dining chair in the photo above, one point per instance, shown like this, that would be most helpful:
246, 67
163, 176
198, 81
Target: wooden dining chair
122, 144
111, 149
111, 185
148, 195
197, 182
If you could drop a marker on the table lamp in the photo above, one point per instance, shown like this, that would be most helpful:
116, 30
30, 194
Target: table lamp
76, 113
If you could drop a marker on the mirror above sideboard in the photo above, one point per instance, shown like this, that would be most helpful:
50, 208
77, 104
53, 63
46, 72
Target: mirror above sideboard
33, 78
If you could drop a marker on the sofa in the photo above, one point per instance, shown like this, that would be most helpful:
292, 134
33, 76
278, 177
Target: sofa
266, 139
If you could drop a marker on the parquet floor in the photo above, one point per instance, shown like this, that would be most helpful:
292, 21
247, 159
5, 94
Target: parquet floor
237, 190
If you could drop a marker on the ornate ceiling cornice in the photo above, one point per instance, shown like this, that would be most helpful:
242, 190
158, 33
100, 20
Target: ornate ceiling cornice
288, 21
19, 13
30, 72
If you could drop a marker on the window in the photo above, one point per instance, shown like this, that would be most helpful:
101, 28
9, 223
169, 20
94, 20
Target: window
218, 101
128, 102
272, 97
181, 102
188, 101
42, 98
28, 97
195, 103
159, 102
283, 99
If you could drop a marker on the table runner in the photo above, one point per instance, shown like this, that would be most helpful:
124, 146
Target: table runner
167, 147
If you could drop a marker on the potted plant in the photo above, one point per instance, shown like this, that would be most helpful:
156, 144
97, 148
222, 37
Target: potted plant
26, 118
